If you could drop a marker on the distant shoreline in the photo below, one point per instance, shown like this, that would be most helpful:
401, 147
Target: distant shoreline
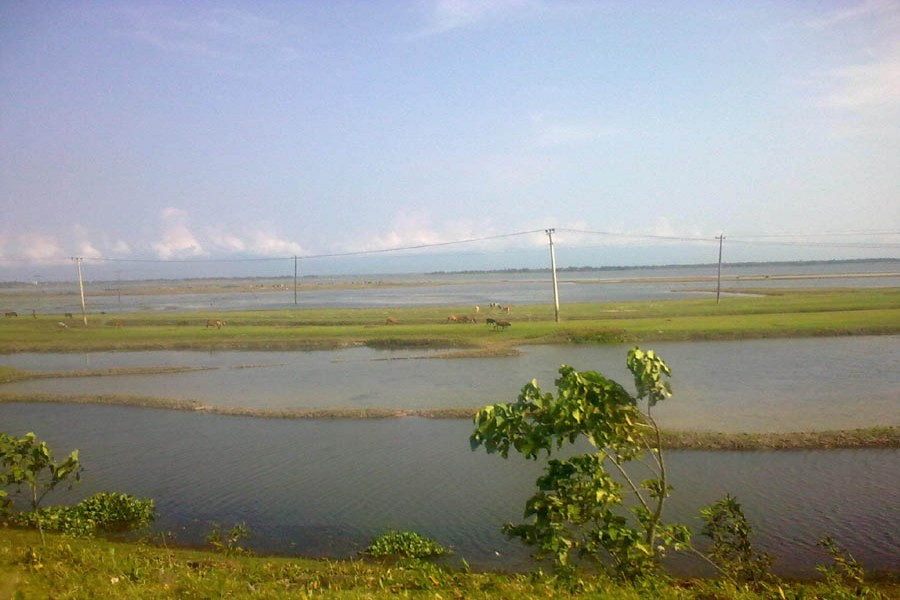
525, 270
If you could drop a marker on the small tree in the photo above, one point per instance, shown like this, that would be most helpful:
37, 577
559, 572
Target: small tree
732, 550
580, 507
25, 461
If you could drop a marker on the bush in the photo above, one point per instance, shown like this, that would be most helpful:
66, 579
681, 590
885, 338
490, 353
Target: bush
408, 544
101, 512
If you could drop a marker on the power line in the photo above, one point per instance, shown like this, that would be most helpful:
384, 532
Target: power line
640, 235
743, 239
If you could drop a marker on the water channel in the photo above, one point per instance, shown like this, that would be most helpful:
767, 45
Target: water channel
324, 488
750, 385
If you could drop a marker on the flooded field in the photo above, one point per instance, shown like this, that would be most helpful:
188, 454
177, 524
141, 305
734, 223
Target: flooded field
751, 385
325, 488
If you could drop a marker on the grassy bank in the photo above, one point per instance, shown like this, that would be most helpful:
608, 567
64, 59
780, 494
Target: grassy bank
78, 568
773, 313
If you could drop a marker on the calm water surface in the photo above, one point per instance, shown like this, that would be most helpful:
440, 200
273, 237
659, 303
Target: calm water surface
442, 289
325, 488
754, 385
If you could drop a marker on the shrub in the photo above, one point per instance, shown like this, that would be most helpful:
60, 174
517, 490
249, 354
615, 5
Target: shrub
732, 551
408, 544
100, 512
229, 542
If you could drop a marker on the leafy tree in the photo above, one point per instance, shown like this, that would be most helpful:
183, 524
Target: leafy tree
590, 505
25, 461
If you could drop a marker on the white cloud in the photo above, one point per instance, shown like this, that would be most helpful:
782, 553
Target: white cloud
269, 244
225, 240
447, 15
177, 240
415, 228
40, 247
120, 248
221, 35
867, 86
874, 85
87, 250
866, 9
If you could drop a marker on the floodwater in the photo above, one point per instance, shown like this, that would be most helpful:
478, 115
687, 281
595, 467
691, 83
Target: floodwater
752, 385
326, 488
445, 289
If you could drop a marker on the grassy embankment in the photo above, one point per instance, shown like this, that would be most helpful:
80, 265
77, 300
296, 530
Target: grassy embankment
778, 313
80, 568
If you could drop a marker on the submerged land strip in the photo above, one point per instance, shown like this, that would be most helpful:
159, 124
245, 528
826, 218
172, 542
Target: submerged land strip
871, 437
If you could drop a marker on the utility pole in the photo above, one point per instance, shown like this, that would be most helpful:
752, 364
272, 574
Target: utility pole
295, 279
549, 233
721, 238
78, 260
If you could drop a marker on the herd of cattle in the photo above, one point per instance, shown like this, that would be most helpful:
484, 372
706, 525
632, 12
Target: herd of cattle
489, 321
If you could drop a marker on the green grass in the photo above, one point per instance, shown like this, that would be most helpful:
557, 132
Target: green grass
780, 313
93, 568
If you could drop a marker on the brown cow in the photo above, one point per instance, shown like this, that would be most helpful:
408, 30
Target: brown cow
500, 324
453, 319
391, 321
214, 323
11, 313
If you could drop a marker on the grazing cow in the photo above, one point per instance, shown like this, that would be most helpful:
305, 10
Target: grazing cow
68, 315
214, 323
391, 321
62, 325
453, 319
11, 313
500, 324
490, 321
467, 319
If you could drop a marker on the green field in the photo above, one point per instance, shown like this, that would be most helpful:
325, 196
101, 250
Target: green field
771, 313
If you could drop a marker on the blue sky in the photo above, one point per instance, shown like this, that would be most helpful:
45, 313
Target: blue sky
189, 130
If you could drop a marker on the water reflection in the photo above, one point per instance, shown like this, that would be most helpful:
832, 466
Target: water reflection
327, 487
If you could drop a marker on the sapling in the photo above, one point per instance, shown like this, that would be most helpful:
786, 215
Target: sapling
581, 509
25, 461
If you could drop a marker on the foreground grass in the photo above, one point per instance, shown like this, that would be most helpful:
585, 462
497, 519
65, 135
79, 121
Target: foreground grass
778, 313
79, 568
